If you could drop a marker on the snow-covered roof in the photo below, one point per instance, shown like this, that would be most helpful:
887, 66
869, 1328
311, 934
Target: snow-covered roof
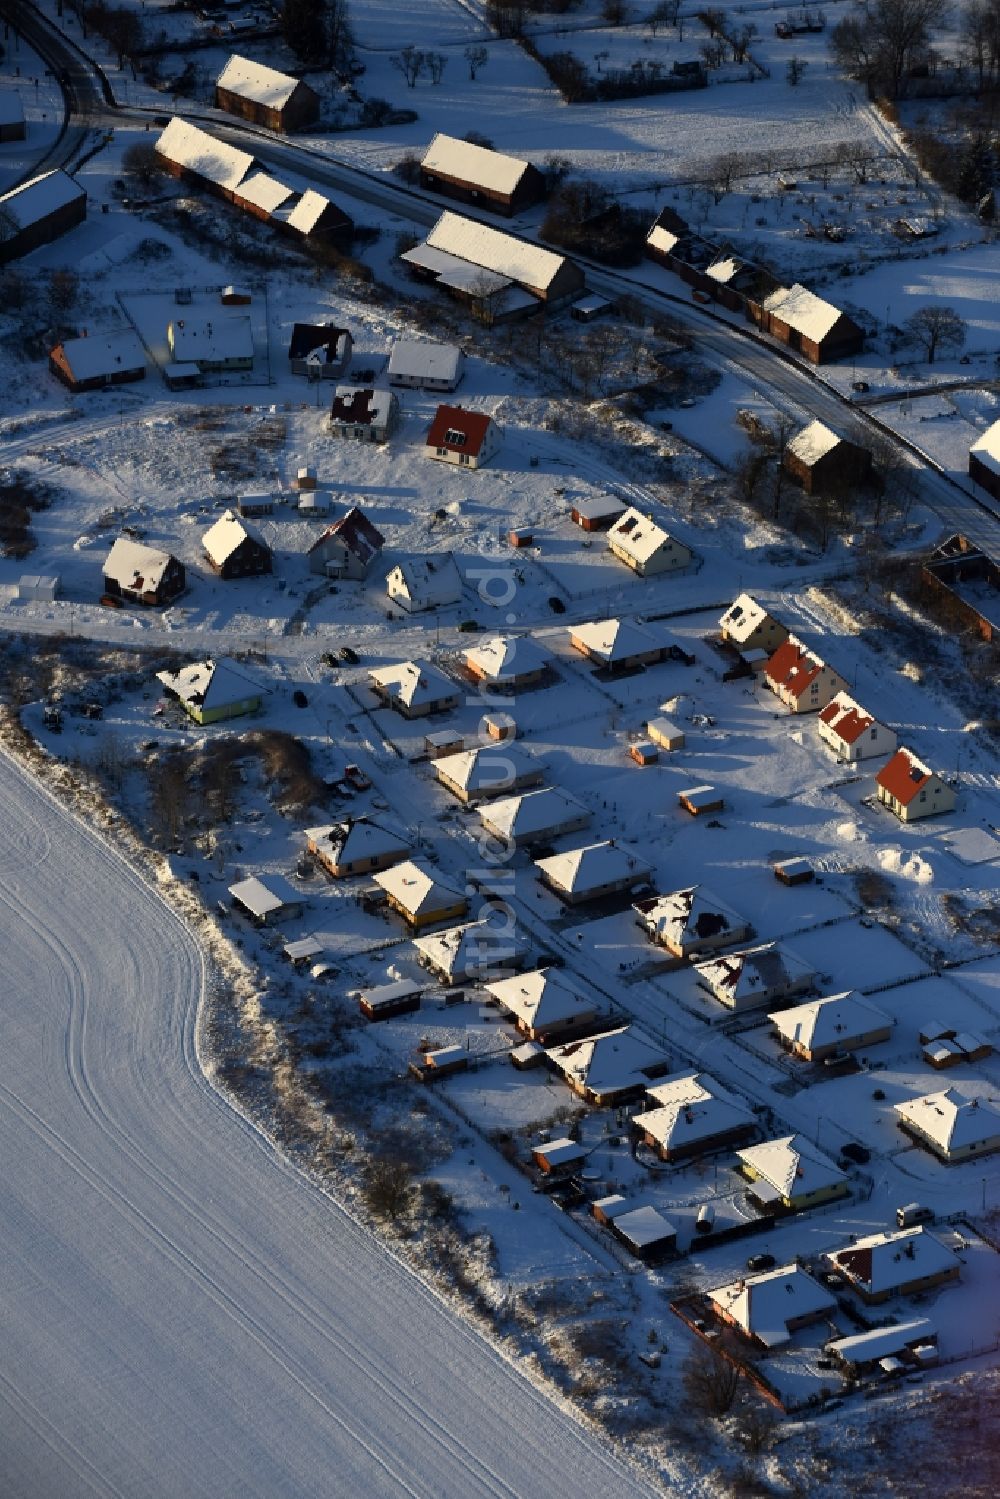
211, 340
793, 666
562, 1152
134, 565
256, 82
802, 310
423, 359
950, 1120
592, 867
506, 657
756, 973
845, 718
477, 166
358, 839
432, 581
472, 948
690, 916
691, 1107
38, 198
492, 250
187, 146
987, 448
640, 537
229, 532
543, 811
616, 640
813, 443
643, 1226
609, 1063
453, 271
103, 354
265, 191
763, 1305
662, 239
413, 683
883, 1262
308, 211
878, 1342
598, 507
263, 897
543, 998
836, 1021
354, 530
743, 617
486, 770
361, 406
417, 888
211, 684
792, 1166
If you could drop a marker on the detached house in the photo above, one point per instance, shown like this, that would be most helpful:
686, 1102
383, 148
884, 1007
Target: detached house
851, 732
211, 691
235, 548
609, 1069
320, 351
363, 414
472, 951
646, 547
99, 360
534, 817
756, 977
478, 175
266, 901
216, 345
592, 873
420, 895
265, 96
422, 583
770, 1307
692, 1114
791, 1173
468, 438
546, 1004
748, 626
905, 1263
141, 574
422, 364
801, 680
910, 789
348, 548
691, 921
414, 688
618, 644
821, 460
828, 1027
508, 662
492, 770
359, 846
951, 1126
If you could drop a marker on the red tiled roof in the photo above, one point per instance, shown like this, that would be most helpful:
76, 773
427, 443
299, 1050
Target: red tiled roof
793, 667
473, 424
903, 777
847, 720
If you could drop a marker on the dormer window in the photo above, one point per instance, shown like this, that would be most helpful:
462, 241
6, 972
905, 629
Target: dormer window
454, 438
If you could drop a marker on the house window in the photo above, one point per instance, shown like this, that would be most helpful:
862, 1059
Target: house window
873, 732
442, 452
464, 458
923, 796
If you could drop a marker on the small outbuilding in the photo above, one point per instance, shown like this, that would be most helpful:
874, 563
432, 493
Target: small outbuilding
39, 211
699, 801
596, 512
665, 735
387, 1001
267, 900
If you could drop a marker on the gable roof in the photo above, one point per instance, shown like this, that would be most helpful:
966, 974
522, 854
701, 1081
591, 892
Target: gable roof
507, 657
102, 354
802, 310
194, 149
813, 443
757, 972
608, 1063
477, 165
951, 1120
792, 1166
422, 358
743, 616
492, 250
264, 896
41, 196
357, 838
987, 447
458, 430
881, 1262
226, 336
904, 776
356, 532
264, 191
617, 639
434, 579
417, 887
414, 682
846, 718
533, 812
212, 684
827, 1022
229, 532
793, 666
306, 214
544, 997
640, 536
593, 866
134, 565
254, 81
689, 1108
763, 1305
690, 915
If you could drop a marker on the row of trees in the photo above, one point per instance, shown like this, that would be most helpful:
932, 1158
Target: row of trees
413, 63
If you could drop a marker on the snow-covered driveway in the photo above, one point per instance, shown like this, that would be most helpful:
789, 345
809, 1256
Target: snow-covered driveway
180, 1313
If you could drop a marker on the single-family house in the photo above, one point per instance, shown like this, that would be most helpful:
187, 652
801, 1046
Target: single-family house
852, 732
192, 155
363, 414
914, 1340
534, 817
611, 1068
348, 548
215, 344
770, 1307
791, 1173
490, 770
829, 1027
756, 977
808, 324
420, 895
902, 1263
618, 644
508, 662
800, 679
99, 360
414, 688
321, 351
823, 462
468, 438
39, 211
361, 845
593, 872
646, 547
424, 364
142, 575
235, 548
479, 175
950, 1125
470, 952
748, 626
265, 96
911, 789
691, 1114
546, 1004
213, 690
691, 921
984, 460
500, 275
421, 583
266, 900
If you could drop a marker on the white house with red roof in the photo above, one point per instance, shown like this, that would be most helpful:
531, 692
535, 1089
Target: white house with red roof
800, 679
852, 732
468, 438
911, 789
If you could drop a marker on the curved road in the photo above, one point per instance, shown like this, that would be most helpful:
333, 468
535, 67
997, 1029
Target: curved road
182, 1313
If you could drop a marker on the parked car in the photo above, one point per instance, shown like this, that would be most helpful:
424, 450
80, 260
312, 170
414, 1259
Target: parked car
761, 1262
299, 698
556, 605
356, 777
859, 1154
349, 654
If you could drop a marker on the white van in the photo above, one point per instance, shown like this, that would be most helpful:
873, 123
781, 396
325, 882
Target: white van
913, 1213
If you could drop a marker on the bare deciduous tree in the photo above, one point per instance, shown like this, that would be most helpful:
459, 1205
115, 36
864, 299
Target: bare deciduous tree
411, 62
880, 45
435, 62
710, 1380
477, 58
936, 328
